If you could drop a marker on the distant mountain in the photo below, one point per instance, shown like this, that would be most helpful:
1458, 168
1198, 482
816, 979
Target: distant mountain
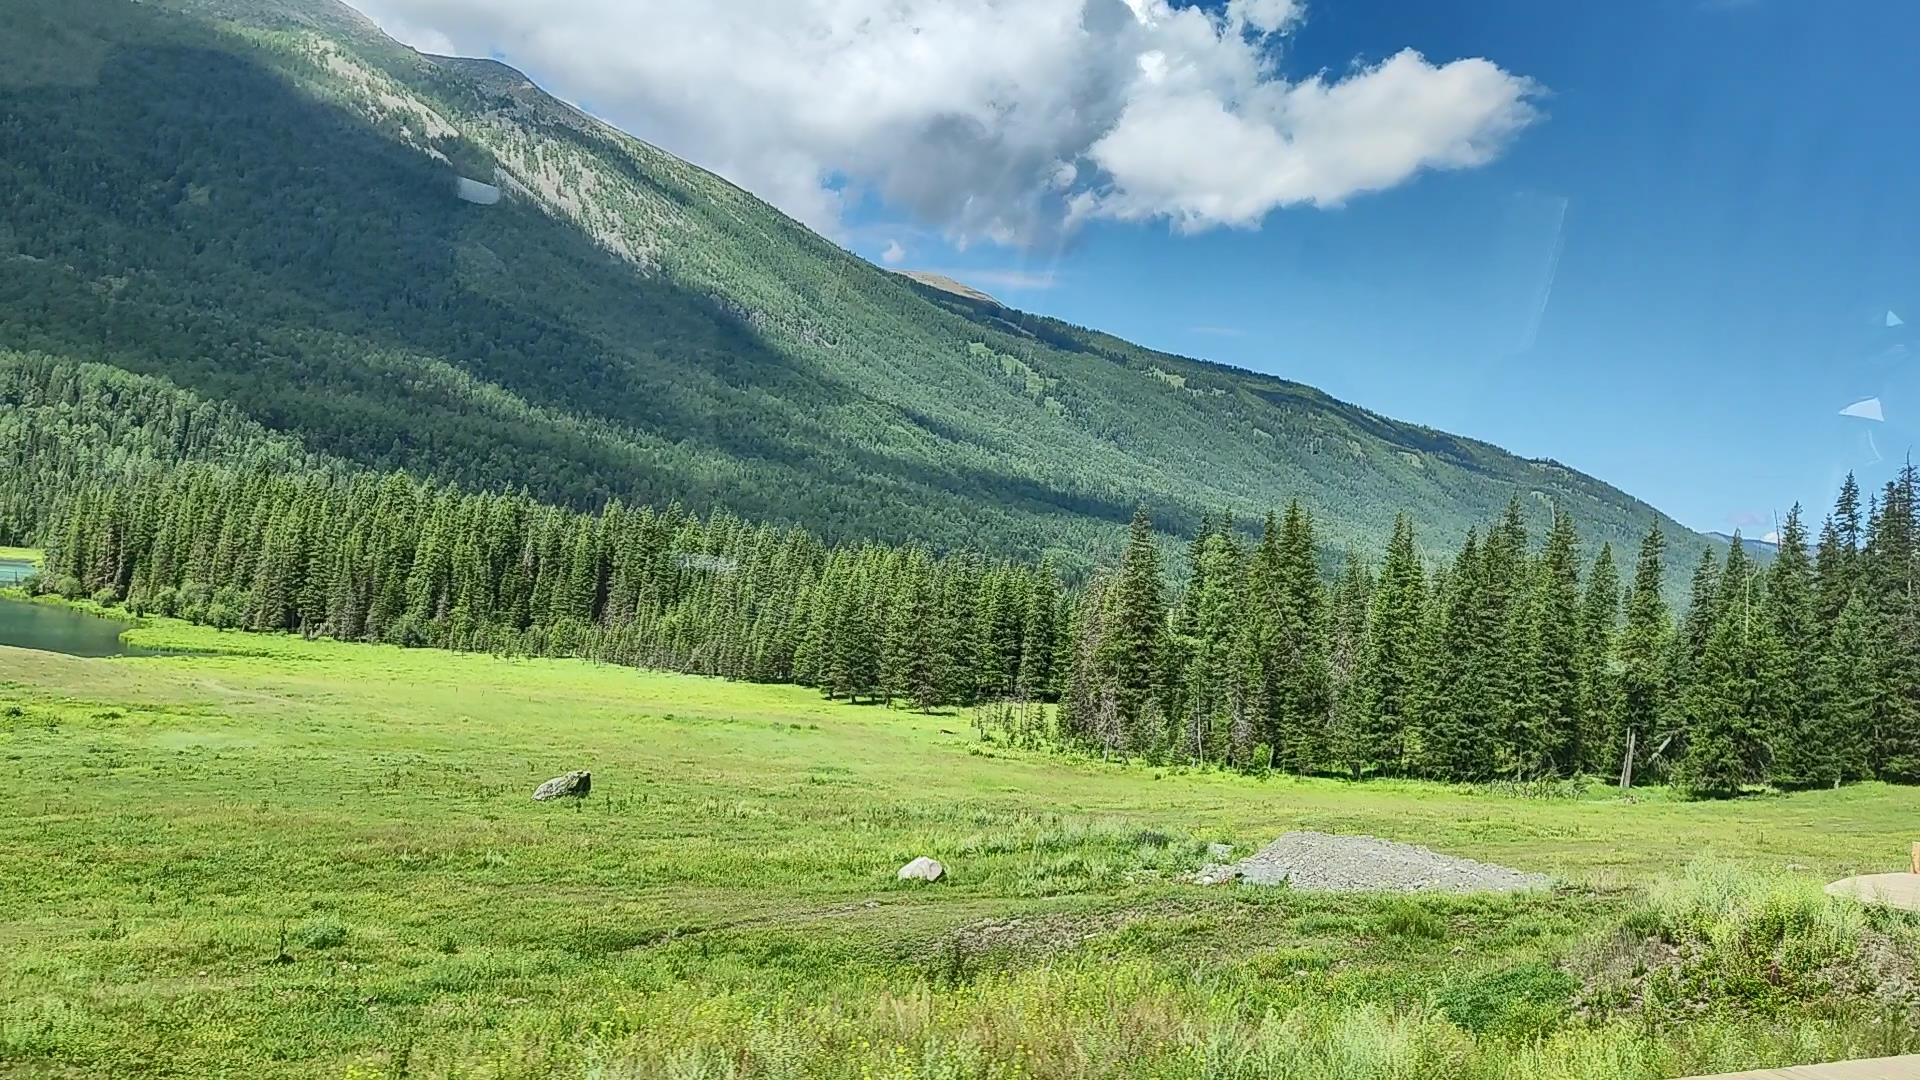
947, 285
1758, 548
261, 202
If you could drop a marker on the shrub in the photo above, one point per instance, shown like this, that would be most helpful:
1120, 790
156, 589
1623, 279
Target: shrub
106, 596
1262, 761
1743, 940
1524, 1001
194, 600
229, 608
1406, 919
323, 934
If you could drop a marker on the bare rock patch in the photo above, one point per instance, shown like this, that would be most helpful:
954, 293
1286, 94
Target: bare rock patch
1326, 862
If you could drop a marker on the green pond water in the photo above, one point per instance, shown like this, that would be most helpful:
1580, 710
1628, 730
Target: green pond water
55, 629
12, 571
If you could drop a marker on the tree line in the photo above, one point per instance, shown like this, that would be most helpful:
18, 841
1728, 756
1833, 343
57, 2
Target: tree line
367, 557
1510, 660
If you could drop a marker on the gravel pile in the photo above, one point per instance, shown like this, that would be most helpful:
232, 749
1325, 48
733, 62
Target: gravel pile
1329, 863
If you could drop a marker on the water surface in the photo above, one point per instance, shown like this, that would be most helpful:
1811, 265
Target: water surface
12, 571
56, 629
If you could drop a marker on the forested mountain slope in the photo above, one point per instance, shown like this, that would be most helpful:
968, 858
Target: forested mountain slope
256, 201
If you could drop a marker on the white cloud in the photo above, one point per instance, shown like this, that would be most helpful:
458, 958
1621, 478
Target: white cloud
1264, 16
424, 38
996, 120
894, 255
1315, 142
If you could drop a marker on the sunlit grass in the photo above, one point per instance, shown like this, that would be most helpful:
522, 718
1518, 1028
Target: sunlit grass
294, 858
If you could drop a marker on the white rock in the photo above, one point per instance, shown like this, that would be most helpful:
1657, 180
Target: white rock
574, 785
922, 869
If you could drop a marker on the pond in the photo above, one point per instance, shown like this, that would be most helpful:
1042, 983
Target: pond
13, 571
56, 629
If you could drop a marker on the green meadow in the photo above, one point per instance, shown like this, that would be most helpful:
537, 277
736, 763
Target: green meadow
273, 857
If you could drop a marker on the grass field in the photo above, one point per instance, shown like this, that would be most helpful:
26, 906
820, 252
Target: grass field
289, 858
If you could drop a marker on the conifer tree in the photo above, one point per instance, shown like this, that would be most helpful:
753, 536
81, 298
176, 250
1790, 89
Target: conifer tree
1136, 635
1849, 690
1645, 644
1346, 657
1089, 707
1891, 576
1214, 621
1039, 627
1552, 681
1731, 698
1802, 757
1505, 595
1835, 576
1293, 638
1392, 671
959, 630
1690, 643
1457, 738
1599, 683
908, 647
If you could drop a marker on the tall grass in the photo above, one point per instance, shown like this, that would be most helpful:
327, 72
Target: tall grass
1085, 1023
1725, 938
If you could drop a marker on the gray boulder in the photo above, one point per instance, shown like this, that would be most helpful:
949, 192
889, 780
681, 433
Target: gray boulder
574, 785
922, 869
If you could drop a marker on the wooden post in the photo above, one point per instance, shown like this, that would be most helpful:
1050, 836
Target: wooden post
1626, 765
1915, 868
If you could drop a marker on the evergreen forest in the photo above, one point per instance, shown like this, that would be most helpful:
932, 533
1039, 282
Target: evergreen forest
1517, 657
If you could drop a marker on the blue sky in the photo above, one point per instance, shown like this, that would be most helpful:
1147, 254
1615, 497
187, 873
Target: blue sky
1673, 281
1657, 240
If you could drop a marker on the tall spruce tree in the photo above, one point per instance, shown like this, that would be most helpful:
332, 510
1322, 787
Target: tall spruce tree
1347, 656
1505, 592
1891, 576
1804, 754
1645, 644
1457, 739
1850, 691
1731, 698
1690, 643
1293, 632
1599, 683
1552, 680
1214, 620
1136, 635
1393, 669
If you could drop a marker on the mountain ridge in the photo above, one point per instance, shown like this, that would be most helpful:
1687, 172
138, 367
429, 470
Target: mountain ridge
627, 325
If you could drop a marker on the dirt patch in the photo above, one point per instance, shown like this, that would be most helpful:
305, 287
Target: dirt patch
1325, 862
1041, 933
